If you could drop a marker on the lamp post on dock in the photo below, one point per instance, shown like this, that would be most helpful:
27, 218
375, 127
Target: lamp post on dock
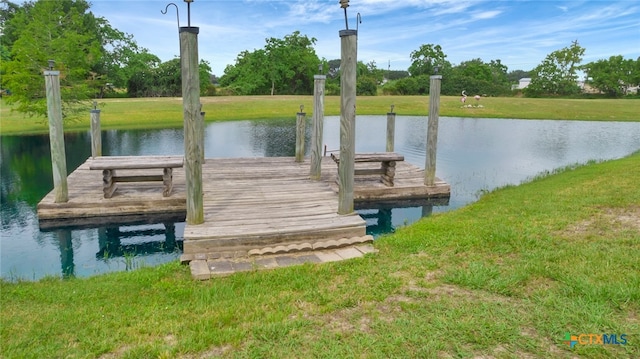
96, 134
193, 119
391, 129
318, 119
56, 134
432, 129
301, 118
348, 63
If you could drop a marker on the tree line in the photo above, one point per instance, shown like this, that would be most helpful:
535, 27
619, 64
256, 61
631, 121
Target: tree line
97, 60
94, 59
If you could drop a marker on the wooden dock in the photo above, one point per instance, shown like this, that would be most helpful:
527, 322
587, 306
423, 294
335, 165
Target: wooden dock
252, 206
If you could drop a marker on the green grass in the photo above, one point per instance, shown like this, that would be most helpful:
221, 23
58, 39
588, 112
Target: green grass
505, 277
167, 112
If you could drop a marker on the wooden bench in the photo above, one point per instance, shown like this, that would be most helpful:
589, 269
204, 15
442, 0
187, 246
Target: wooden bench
387, 170
110, 164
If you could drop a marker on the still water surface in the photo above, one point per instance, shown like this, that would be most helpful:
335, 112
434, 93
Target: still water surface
474, 155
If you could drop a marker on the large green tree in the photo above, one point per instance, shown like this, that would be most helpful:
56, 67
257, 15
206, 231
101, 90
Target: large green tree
557, 74
613, 76
165, 80
426, 58
477, 77
87, 51
284, 66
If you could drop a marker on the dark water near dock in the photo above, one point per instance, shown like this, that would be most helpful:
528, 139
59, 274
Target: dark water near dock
474, 156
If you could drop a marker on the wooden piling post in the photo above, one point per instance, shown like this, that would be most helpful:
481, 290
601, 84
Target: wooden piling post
300, 132
56, 135
96, 134
202, 137
391, 129
432, 130
193, 126
348, 63
317, 131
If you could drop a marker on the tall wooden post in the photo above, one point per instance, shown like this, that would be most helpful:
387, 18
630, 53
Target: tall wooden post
193, 123
56, 135
96, 134
300, 132
391, 129
432, 130
318, 120
348, 60
202, 137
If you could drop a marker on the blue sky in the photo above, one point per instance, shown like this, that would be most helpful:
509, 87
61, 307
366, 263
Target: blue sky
519, 33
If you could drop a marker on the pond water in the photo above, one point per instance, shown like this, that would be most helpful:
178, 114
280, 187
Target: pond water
474, 156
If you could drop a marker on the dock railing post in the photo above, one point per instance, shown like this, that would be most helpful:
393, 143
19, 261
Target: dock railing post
391, 129
56, 134
318, 120
193, 123
432, 130
96, 134
300, 133
202, 136
348, 63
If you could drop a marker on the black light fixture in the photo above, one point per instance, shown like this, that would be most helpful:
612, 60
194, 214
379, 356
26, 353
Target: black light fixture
345, 4
188, 12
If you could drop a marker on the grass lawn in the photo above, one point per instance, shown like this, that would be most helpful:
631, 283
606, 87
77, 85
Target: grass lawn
167, 112
505, 277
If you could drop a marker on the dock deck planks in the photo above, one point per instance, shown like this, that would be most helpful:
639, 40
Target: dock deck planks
249, 203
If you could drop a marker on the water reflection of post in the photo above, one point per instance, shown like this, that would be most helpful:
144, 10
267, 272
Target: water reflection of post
384, 222
108, 241
66, 253
427, 210
170, 237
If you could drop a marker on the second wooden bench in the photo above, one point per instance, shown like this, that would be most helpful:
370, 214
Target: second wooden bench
110, 164
387, 170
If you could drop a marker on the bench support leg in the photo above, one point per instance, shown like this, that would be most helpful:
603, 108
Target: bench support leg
108, 184
388, 173
167, 181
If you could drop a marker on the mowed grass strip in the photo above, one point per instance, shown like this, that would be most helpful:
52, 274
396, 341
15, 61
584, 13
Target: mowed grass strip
167, 112
504, 277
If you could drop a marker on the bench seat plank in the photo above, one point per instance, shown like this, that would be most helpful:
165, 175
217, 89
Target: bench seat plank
372, 157
141, 162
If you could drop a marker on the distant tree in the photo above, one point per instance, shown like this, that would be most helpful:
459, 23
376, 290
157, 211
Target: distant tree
129, 61
248, 76
367, 78
478, 78
557, 74
613, 76
396, 74
283, 66
334, 68
165, 80
86, 49
424, 60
